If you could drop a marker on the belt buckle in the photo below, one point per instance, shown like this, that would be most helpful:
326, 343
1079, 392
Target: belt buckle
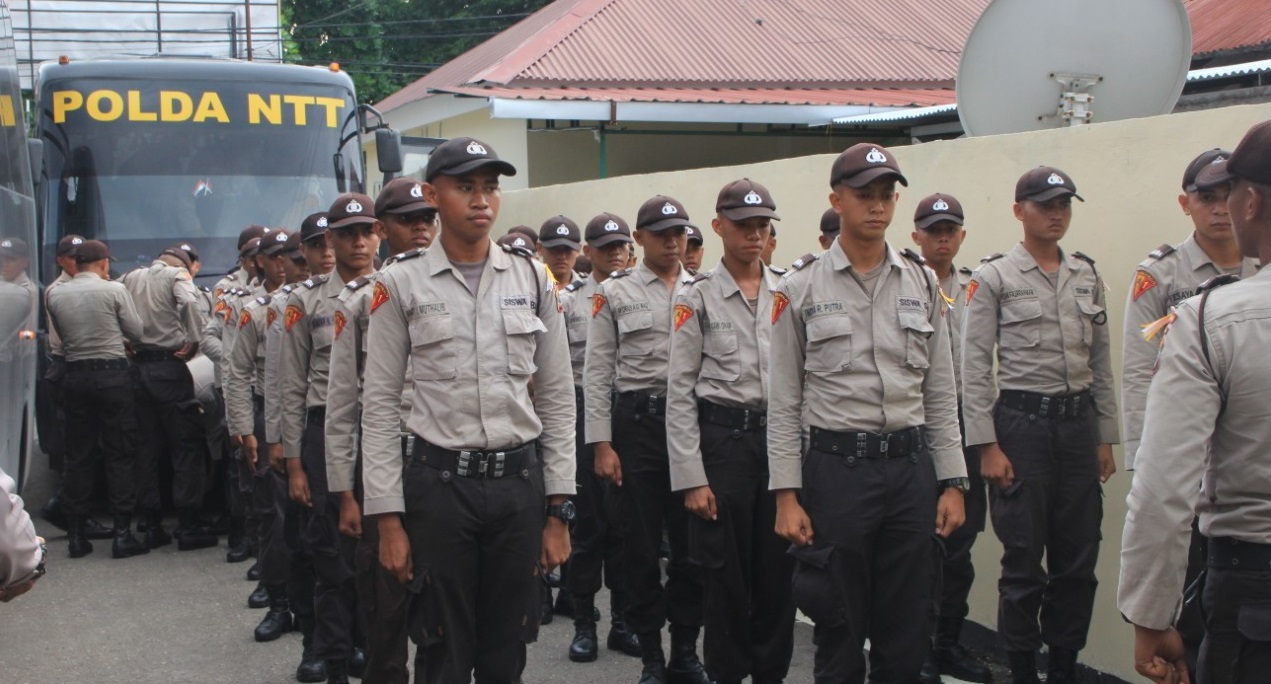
745, 419
1044, 407
463, 464
651, 406
492, 465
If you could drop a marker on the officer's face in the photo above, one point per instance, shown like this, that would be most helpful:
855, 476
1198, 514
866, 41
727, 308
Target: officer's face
1208, 209
355, 245
693, 254
743, 241
608, 258
12, 266
271, 268
467, 205
1045, 221
67, 263
939, 242
295, 270
662, 251
405, 232
560, 260
865, 212
318, 254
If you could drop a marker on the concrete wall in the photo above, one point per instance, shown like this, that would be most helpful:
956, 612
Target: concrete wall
1129, 173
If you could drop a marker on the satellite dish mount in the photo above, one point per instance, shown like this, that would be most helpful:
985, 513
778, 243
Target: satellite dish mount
1075, 99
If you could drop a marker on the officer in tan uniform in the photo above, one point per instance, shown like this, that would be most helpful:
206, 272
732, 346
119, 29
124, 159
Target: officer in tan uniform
246, 270
559, 244
407, 223
308, 332
716, 435
595, 537
96, 319
626, 411
1214, 355
478, 513
860, 356
693, 250
1045, 428
829, 228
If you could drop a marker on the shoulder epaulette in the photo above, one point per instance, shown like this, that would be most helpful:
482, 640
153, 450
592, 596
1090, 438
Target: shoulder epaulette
203, 288
965, 271
242, 292
777, 271
519, 251
803, 261
1162, 251
620, 274
316, 281
992, 257
408, 254
1217, 282
698, 277
358, 283
575, 286
1084, 258
913, 256
288, 287
264, 300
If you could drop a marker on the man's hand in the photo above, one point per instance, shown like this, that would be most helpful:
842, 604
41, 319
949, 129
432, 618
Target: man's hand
793, 523
298, 483
187, 351
608, 467
950, 511
276, 460
1107, 466
249, 449
700, 501
556, 546
350, 516
395, 547
995, 467
1158, 655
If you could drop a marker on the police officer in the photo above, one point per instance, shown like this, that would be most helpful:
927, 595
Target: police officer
938, 233
245, 272
693, 249
859, 347
95, 317
1214, 356
407, 223
596, 538
308, 331
718, 444
627, 343
829, 228
478, 514
168, 413
1045, 431
559, 243
766, 255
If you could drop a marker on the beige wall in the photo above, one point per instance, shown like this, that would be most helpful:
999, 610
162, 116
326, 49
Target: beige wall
1129, 173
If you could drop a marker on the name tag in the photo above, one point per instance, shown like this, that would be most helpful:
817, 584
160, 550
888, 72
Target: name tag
1022, 293
634, 307
911, 304
1084, 291
1179, 295
518, 302
823, 309
424, 310
574, 319
316, 322
720, 326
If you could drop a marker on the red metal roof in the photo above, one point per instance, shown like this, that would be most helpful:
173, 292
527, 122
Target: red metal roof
678, 49
880, 97
1227, 25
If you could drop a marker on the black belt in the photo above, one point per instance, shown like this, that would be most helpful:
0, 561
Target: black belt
898, 444
258, 401
1233, 554
1059, 406
97, 365
316, 414
578, 395
643, 402
153, 355
730, 417
480, 465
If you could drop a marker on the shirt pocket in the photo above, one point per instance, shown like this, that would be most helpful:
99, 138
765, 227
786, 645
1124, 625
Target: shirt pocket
322, 336
432, 347
1091, 315
1021, 324
917, 335
721, 357
633, 335
829, 344
520, 328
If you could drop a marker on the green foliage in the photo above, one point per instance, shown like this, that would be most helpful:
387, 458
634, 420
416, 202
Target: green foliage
387, 44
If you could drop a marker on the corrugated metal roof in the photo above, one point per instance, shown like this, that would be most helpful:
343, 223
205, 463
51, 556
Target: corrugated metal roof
902, 115
880, 97
1226, 25
1230, 70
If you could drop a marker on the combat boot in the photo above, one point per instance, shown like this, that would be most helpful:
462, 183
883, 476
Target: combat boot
685, 667
310, 668
190, 535
278, 620
620, 638
584, 648
1061, 666
952, 658
154, 536
1023, 667
125, 544
930, 673
78, 545
240, 547
253, 573
259, 598
357, 663
654, 659
338, 671
96, 530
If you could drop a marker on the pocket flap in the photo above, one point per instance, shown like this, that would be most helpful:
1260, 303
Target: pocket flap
1088, 307
522, 323
827, 327
431, 330
720, 343
1021, 310
916, 321
1254, 621
634, 322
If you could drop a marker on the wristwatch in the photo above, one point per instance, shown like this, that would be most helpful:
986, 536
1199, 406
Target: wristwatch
565, 512
962, 483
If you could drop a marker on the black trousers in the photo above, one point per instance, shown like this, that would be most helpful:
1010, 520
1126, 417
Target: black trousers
868, 572
595, 540
100, 406
269, 507
748, 611
334, 595
240, 480
1054, 507
169, 418
646, 506
957, 570
476, 547
1237, 645
52, 413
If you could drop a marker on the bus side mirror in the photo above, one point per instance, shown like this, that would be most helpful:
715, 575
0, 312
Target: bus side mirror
388, 149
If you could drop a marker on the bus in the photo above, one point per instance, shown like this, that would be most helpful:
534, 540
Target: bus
19, 290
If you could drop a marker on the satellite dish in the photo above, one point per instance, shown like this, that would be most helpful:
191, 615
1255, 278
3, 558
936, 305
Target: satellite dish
1029, 65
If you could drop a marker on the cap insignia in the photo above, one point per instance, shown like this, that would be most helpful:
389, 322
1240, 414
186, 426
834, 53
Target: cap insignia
1055, 179
940, 205
562, 230
322, 222
415, 191
752, 197
875, 156
475, 147
669, 209
611, 226
353, 207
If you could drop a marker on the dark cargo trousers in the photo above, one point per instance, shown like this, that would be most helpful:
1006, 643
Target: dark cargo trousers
748, 611
595, 540
957, 570
476, 545
99, 404
169, 419
646, 506
269, 504
868, 572
1236, 603
1054, 507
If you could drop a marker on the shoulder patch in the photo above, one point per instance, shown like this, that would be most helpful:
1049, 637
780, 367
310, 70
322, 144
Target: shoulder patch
992, 257
519, 251
1217, 282
913, 256
291, 315
1143, 282
358, 283
575, 286
379, 295
1162, 251
803, 262
683, 312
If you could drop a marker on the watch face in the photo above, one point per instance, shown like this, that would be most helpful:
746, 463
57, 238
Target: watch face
567, 510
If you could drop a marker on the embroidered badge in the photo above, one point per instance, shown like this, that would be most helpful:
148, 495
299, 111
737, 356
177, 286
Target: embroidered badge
340, 320
1143, 281
244, 319
270, 317
971, 287
379, 296
779, 303
683, 312
291, 315
597, 303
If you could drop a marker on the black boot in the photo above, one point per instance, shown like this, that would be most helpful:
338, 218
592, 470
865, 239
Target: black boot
190, 535
620, 638
310, 669
584, 647
1061, 666
154, 536
684, 666
357, 662
259, 598
654, 660
338, 671
952, 658
79, 545
240, 547
125, 544
1023, 667
96, 530
930, 673
278, 620
545, 618
253, 573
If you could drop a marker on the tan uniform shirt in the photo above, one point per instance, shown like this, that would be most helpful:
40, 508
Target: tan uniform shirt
55, 339
19, 545
169, 305
1189, 438
630, 324
472, 358
217, 338
232, 281
1168, 276
273, 354
719, 353
575, 302
846, 360
245, 371
305, 363
94, 316
1050, 339
953, 291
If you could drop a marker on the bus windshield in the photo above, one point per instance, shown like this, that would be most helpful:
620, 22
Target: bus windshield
143, 166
